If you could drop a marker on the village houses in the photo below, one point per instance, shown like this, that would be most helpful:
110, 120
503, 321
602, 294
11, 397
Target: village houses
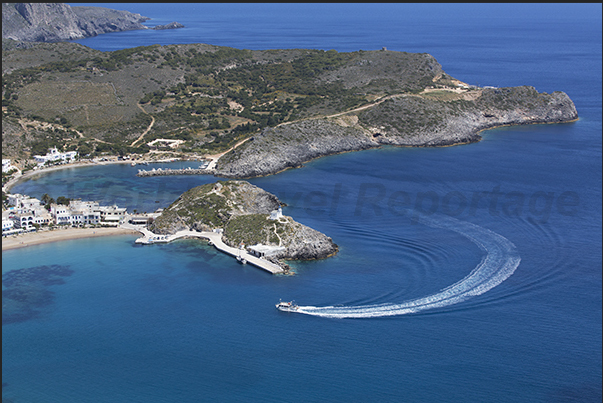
26, 213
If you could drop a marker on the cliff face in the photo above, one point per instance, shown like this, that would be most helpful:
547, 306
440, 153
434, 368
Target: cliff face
243, 212
409, 120
52, 22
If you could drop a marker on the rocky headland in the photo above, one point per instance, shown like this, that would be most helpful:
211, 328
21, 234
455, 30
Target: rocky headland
54, 22
243, 211
417, 120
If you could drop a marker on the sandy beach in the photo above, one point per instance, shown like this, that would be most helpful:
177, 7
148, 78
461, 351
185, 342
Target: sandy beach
37, 238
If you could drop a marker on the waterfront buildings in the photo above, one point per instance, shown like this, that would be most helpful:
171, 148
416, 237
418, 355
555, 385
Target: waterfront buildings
26, 213
54, 155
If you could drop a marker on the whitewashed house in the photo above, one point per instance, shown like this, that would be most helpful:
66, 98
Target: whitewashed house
54, 155
25, 221
23, 203
7, 224
6, 165
112, 215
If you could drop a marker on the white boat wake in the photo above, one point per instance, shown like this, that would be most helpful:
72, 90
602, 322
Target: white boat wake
499, 264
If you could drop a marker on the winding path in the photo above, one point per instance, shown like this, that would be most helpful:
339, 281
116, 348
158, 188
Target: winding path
213, 159
148, 128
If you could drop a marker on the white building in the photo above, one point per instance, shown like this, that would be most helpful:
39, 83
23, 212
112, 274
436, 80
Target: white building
60, 213
41, 216
260, 250
83, 205
24, 221
23, 203
28, 211
164, 143
6, 165
276, 214
54, 155
112, 215
7, 224
77, 213
90, 212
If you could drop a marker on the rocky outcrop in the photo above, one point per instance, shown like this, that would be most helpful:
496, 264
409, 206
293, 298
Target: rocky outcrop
303, 243
54, 22
409, 120
243, 211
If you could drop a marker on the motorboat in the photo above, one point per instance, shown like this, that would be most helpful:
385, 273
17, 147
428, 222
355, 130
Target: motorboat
287, 306
240, 258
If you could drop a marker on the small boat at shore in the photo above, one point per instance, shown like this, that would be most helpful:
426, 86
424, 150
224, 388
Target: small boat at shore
287, 306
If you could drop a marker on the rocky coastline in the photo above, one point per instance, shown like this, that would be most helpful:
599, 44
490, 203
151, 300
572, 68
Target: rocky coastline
55, 22
246, 215
410, 121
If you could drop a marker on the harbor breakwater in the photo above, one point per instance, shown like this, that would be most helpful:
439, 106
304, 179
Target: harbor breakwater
169, 171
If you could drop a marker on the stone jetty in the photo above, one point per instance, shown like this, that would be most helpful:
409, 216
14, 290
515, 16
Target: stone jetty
215, 239
169, 171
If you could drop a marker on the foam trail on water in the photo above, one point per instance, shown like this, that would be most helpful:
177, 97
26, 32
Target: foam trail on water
500, 263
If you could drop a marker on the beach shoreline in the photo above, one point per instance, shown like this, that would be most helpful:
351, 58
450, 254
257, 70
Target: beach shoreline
42, 237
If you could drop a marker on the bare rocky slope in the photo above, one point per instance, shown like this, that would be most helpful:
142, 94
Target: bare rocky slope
409, 120
53, 22
242, 210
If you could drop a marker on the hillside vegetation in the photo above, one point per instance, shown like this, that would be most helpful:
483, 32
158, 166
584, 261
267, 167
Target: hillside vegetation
209, 96
242, 211
291, 105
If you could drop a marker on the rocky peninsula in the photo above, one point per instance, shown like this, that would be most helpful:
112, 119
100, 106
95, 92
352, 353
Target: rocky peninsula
427, 119
248, 216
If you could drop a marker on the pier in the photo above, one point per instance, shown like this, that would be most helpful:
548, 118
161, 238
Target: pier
169, 171
216, 240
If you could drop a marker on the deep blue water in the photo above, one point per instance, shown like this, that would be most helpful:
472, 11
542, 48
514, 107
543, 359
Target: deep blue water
182, 322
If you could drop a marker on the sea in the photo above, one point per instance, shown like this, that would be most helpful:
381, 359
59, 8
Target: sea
469, 273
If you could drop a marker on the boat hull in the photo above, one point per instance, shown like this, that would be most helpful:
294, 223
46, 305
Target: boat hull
287, 307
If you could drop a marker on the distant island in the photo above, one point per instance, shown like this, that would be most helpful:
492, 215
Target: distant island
54, 22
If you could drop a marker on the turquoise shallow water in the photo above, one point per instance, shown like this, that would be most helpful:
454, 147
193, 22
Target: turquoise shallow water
107, 320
